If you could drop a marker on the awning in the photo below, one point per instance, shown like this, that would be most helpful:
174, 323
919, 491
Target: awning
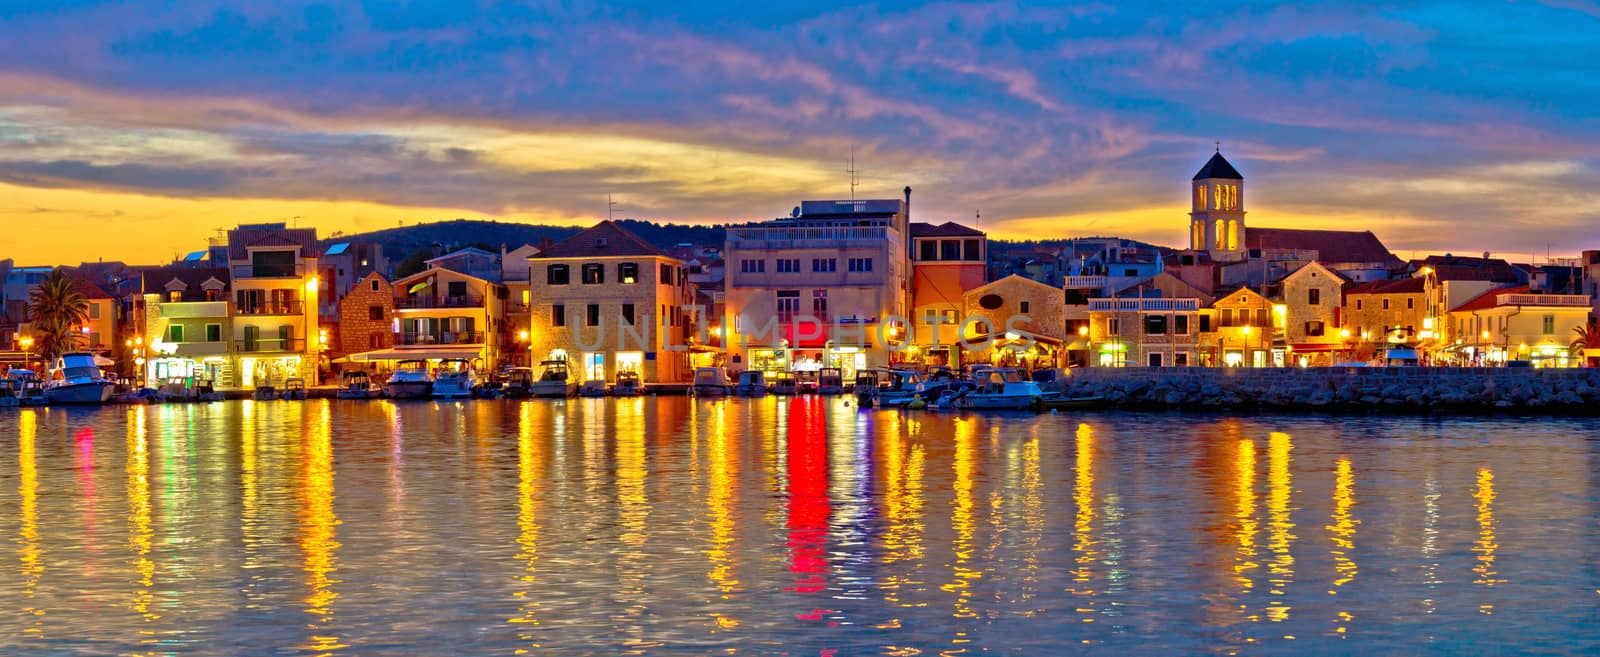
102, 361
415, 354
805, 334
1317, 347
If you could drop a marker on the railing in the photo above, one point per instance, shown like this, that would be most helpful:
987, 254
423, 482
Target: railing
1542, 300
1143, 305
270, 345
430, 301
270, 308
252, 271
1086, 281
193, 309
784, 237
445, 337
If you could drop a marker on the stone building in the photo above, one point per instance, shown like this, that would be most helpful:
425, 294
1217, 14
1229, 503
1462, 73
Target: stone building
1242, 329
1313, 315
1014, 321
366, 316
1384, 314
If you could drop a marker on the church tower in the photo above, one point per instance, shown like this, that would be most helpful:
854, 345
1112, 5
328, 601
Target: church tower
1216, 225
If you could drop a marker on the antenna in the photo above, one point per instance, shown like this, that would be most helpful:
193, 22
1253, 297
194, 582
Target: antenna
977, 218
855, 178
611, 208
1219, 146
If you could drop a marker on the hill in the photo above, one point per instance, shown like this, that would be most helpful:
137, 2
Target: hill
458, 233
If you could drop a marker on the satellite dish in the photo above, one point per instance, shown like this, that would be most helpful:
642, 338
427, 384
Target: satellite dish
795, 213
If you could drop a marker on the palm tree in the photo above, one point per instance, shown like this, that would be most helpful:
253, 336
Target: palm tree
1584, 337
56, 310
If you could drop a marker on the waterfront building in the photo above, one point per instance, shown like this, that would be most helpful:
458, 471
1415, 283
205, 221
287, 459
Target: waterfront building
344, 263
519, 299
1313, 298
606, 301
947, 261
1519, 324
820, 289
1014, 321
101, 328
1385, 314
366, 318
188, 327
1243, 329
472, 261
443, 314
1144, 331
275, 282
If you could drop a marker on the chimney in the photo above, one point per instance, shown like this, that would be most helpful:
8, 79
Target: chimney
908, 205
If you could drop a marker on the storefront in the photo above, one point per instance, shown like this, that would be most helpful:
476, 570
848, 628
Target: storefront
273, 371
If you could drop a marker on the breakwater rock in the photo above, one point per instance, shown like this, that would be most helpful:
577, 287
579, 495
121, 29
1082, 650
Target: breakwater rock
1575, 391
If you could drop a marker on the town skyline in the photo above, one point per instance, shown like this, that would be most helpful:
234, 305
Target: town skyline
1439, 130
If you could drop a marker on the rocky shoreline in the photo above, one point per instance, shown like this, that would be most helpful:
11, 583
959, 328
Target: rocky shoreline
1574, 392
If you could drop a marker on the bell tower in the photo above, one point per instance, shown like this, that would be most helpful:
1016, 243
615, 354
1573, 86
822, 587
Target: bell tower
1216, 224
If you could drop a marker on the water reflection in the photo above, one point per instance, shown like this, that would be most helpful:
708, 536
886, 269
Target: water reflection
804, 526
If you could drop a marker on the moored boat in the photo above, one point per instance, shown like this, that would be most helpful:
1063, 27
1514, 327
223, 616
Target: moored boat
518, 384
264, 393
455, 380
710, 382
410, 380
783, 384
592, 388
830, 381
999, 389
554, 381
752, 383
866, 388
627, 385
1060, 402
78, 380
294, 389
806, 382
356, 384
8, 394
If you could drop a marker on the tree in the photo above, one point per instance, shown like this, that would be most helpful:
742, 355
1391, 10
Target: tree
417, 261
1583, 337
56, 310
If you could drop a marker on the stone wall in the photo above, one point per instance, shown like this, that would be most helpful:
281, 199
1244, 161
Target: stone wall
1396, 388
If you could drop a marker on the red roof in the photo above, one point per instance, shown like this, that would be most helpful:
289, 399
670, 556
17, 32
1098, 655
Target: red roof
599, 241
1490, 299
946, 229
1332, 246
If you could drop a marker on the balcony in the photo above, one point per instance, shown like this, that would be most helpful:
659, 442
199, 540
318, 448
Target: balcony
1143, 305
248, 271
1086, 282
798, 237
193, 309
270, 308
429, 301
270, 346
445, 337
1541, 300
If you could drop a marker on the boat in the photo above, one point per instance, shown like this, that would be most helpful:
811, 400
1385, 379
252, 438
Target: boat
627, 385
518, 384
752, 383
592, 388
206, 391
710, 382
455, 379
553, 381
830, 381
1058, 402
78, 381
866, 387
999, 389
30, 390
409, 381
264, 393
176, 389
8, 394
356, 385
294, 389
806, 382
782, 384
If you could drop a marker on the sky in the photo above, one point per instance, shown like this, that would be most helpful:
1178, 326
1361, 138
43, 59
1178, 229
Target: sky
133, 130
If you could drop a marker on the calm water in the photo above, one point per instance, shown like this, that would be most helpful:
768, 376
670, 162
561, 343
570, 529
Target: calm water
803, 527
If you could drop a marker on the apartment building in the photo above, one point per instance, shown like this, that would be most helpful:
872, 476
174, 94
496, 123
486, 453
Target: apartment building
1243, 329
1144, 331
275, 283
188, 327
1518, 324
1313, 308
446, 314
947, 261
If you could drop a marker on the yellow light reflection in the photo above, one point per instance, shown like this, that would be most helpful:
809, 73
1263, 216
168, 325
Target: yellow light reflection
1033, 515
1487, 544
1280, 526
1084, 546
530, 466
724, 458
961, 520
30, 552
1245, 513
318, 533
634, 511
140, 532
1343, 535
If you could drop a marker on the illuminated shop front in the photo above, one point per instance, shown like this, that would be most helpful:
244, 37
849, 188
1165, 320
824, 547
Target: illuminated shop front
256, 371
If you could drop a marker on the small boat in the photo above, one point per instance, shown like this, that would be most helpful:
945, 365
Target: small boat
1060, 402
554, 381
78, 381
356, 385
627, 385
294, 389
866, 387
518, 384
409, 381
999, 389
752, 383
783, 384
176, 389
455, 380
710, 382
8, 394
264, 393
806, 382
830, 381
30, 390
903, 387
592, 388
206, 391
